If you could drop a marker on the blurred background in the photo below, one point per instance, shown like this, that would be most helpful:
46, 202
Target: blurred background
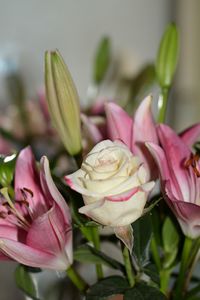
28, 28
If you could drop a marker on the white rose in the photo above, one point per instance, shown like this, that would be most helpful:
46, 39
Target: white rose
113, 183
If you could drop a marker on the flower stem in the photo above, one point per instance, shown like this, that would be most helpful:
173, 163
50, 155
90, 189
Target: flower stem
154, 250
194, 259
96, 243
183, 268
76, 279
128, 266
162, 105
164, 280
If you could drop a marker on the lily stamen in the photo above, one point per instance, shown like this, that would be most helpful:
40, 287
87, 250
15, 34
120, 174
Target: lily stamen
13, 209
192, 161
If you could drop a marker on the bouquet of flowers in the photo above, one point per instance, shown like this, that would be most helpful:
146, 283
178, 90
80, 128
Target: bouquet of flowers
129, 181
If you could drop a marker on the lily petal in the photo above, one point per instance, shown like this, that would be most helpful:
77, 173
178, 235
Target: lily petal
190, 135
144, 124
26, 176
50, 189
176, 153
144, 130
119, 123
30, 256
159, 156
92, 130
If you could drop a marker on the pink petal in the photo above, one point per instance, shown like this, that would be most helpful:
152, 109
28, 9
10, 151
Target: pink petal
42, 234
9, 231
159, 156
91, 129
144, 130
5, 232
50, 190
147, 187
186, 213
176, 153
144, 124
26, 176
119, 123
30, 256
190, 135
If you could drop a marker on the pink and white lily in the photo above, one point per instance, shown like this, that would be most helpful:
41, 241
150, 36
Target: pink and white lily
35, 229
134, 132
180, 175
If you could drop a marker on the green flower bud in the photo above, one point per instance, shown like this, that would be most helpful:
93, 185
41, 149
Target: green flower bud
63, 101
102, 60
167, 56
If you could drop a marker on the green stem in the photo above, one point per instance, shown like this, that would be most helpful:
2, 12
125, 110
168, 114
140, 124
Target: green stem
183, 268
96, 243
128, 266
194, 259
154, 250
162, 105
76, 279
164, 280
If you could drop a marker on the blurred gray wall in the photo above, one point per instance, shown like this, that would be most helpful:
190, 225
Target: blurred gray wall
28, 28
186, 98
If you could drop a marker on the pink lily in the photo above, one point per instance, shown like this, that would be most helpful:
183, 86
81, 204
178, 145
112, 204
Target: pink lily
134, 132
180, 175
35, 230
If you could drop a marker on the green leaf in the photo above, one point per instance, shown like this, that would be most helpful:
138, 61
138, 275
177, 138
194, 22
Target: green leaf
88, 254
142, 291
142, 231
107, 287
25, 282
170, 236
170, 239
167, 56
152, 272
102, 60
7, 168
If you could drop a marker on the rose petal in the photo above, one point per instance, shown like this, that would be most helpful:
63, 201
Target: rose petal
87, 208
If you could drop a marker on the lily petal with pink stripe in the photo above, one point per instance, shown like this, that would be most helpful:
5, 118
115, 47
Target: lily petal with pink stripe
37, 232
179, 171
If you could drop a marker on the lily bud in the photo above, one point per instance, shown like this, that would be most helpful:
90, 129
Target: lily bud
63, 101
167, 56
102, 60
